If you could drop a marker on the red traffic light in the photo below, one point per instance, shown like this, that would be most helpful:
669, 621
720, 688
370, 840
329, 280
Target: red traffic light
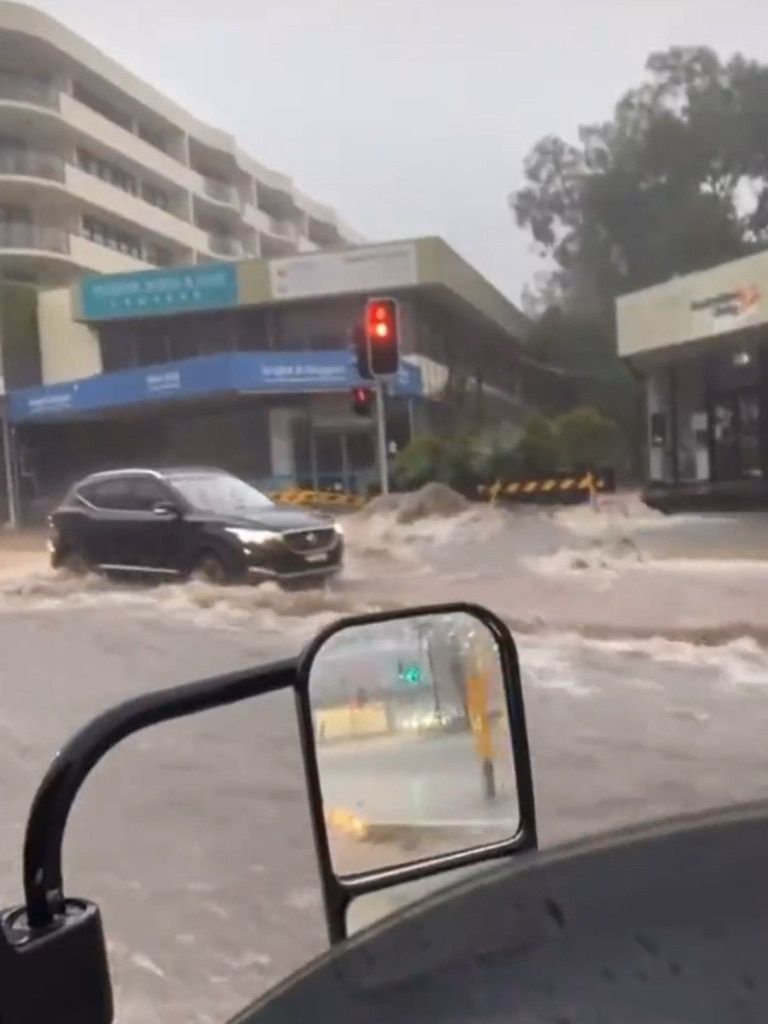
382, 331
380, 320
362, 401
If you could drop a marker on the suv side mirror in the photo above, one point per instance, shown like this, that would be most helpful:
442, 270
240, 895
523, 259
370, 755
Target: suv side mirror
166, 508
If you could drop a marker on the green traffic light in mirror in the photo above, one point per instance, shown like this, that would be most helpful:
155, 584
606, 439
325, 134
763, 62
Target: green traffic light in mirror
410, 674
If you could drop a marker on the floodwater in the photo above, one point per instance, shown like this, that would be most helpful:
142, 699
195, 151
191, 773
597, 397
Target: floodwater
642, 645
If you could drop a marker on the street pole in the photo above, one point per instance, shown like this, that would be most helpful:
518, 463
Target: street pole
381, 437
10, 476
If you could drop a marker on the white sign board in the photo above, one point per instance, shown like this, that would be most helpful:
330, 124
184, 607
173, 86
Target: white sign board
373, 269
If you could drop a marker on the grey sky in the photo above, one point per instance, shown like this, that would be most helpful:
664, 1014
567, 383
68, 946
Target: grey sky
410, 116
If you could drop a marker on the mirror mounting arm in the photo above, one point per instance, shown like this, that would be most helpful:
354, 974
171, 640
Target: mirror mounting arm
43, 881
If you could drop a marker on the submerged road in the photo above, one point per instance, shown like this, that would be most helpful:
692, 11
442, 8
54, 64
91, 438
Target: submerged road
435, 780
194, 836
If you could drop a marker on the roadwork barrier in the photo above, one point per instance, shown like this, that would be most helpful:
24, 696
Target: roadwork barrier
565, 488
556, 488
331, 499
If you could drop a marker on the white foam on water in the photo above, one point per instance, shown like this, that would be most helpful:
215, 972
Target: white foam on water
742, 662
569, 570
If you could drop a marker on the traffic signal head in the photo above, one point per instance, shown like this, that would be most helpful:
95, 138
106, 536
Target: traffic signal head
360, 348
382, 332
362, 401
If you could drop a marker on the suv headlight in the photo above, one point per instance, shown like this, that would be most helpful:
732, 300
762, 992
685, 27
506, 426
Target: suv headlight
339, 529
249, 537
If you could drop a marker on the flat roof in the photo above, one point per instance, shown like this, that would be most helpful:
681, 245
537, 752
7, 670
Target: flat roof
694, 307
365, 270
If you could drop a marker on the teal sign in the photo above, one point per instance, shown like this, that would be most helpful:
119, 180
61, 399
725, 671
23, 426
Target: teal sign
158, 292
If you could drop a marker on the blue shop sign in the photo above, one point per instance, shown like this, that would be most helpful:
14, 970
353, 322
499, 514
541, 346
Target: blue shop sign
259, 372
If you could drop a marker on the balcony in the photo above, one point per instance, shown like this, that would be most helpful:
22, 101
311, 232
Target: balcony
221, 191
30, 163
282, 228
26, 89
20, 235
225, 245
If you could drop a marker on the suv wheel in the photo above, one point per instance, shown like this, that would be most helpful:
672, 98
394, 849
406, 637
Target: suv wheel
75, 564
211, 569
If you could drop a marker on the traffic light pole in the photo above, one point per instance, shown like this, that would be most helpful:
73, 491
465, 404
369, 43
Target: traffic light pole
381, 437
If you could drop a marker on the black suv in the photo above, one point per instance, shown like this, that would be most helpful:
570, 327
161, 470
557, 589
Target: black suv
179, 523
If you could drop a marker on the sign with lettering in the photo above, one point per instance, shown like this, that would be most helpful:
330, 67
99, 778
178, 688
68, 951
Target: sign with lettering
227, 373
158, 292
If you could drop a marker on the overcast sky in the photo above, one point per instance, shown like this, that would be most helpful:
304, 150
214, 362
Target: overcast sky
411, 117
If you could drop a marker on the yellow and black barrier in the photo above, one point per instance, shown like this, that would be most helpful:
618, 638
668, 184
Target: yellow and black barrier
333, 499
556, 488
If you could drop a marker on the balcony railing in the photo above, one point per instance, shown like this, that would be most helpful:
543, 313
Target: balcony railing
224, 245
221, 191
26, 89
19, 235
31, 163
282, 228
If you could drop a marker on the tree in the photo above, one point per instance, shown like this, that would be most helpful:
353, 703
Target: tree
587, 438
658, 190
675, 182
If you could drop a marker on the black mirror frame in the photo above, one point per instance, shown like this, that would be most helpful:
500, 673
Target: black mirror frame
338, 892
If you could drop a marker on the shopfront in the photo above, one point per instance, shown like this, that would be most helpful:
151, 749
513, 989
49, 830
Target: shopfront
704, 367
276, 419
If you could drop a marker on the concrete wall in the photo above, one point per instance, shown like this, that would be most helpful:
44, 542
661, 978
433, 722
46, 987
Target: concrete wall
68, 350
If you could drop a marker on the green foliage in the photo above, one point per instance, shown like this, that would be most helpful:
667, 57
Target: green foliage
539, 449
578, 439
656, 190
586, 437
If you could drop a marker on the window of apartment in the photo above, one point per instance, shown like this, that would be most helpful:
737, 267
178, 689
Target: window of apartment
101, 106
15, 215
112, 237
108, 172
153, 137
155, 196
157, 254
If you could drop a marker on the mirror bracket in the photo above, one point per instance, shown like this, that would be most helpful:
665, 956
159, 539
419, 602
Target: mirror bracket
57, 974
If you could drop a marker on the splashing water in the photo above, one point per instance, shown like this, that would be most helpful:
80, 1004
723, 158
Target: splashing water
611, 572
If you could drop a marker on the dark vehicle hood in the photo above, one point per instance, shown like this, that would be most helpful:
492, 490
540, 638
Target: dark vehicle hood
277, 519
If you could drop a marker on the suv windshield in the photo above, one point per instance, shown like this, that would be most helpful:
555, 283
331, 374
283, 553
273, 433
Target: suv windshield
220, 493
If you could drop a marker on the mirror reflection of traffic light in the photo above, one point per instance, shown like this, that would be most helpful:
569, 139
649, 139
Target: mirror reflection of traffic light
382, 333
362, 401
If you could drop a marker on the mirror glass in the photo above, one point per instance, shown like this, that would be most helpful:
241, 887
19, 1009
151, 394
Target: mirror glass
413, 740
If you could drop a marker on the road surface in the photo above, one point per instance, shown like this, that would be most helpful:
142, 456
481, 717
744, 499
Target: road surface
432, 782
194, 836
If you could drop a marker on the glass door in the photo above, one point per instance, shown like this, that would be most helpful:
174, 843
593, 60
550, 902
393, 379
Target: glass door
736, 416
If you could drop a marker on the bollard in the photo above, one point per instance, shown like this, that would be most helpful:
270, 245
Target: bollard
489, 779
477, 702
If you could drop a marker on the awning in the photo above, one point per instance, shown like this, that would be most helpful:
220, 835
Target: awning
234, 372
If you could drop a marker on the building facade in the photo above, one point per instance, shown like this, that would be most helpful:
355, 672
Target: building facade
247, 365
700, 345
101, 173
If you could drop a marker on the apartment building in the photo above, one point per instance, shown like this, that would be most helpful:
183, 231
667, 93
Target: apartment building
100, 173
